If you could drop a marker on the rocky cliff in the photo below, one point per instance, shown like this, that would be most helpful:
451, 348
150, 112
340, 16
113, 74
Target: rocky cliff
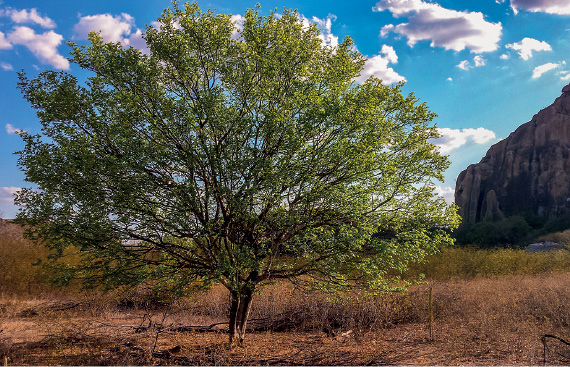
526, 174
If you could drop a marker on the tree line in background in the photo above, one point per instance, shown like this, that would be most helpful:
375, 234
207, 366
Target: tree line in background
514, 231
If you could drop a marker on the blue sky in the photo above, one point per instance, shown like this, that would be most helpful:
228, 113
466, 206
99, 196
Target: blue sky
484, 66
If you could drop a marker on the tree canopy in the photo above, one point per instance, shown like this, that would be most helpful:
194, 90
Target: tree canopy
232, 156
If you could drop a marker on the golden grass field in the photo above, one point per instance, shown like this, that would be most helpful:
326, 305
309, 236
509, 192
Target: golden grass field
489, 308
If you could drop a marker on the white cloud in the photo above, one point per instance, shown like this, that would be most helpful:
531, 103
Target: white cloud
543, 6
6, 67
464, 65
10, 129
539, 70
7, 193
43, 46
4, 43
504, 57
450, 79
112, 28
377, 66
448, 193
325, 26
454, 138
137, 41
28, 16
565, 75
479, 61
451, 29
238, 20
390, 54
527, 46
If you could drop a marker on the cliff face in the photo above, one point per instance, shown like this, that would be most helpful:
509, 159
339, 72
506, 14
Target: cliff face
527, 173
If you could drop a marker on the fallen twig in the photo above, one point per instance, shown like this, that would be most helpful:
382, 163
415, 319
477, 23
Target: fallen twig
544, 337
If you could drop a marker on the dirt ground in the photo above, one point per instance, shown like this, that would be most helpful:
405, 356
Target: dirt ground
56, 332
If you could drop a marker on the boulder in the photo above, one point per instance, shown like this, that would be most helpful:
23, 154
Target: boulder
544, 246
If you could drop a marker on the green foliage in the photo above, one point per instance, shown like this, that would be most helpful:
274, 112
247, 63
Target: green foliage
514, 231
233, 160
556, 224
509, 231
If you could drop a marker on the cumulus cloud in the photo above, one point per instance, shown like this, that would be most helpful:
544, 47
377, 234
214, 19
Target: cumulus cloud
7, 193
539, 70
118, 28
504, 57
137, 41
527, 46
477, 62
43, 46
112, 28
377, 66
4, 43
10, 129
28, 16
451, 139
6, 67
238, 20
464, 65
561, 7
451, 29
448, 193
325, 26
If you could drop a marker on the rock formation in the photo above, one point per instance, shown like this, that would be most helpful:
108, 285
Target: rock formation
526, 174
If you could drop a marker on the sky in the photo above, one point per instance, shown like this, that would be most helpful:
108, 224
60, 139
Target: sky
484, 66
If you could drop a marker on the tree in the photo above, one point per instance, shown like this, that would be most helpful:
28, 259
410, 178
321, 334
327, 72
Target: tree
507, 231
238, 158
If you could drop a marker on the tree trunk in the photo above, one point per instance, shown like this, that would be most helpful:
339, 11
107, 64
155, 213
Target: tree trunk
245, 307
240, 306
234, 307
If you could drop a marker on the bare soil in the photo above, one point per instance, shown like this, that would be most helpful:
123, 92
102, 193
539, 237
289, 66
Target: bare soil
490, 321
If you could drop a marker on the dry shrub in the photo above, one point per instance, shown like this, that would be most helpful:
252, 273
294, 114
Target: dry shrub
493, 309
21, 272
513, 310
281, 307
484, 321
562, 238
17, 274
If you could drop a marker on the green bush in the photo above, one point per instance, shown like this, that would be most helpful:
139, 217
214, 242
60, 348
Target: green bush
509, 231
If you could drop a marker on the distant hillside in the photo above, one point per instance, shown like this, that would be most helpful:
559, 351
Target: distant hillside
527, 174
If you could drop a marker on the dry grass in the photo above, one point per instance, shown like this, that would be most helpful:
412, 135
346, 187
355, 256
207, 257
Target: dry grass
490, 308
485, 321
466, 263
